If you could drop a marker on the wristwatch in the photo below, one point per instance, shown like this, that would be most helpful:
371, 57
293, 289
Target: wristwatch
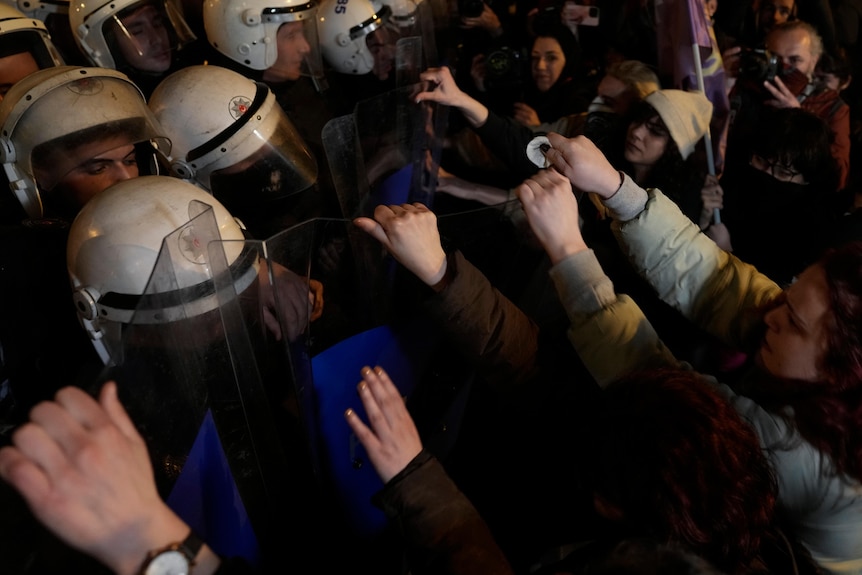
174, 559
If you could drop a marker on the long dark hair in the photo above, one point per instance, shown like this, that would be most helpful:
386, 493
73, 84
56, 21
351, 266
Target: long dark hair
679, 179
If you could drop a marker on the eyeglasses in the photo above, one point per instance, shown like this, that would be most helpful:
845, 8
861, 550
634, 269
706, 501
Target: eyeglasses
779, 171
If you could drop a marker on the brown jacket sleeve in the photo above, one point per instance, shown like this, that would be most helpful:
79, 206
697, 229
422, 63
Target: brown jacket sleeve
485, 326
443, 531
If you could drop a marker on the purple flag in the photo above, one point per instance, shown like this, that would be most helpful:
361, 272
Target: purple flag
680, 24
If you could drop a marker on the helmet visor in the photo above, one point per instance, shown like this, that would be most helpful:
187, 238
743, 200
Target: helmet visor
57, 159
146, 35
281, 166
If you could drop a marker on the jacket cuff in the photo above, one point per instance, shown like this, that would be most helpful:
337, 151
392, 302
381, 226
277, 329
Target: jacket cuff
628, 201
582, 285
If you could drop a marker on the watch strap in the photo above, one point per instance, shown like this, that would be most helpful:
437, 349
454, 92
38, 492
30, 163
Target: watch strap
190, 547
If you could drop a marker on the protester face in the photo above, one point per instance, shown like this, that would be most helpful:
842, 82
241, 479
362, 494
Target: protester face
381, 44
292, 50
14, 68
795, 339
646, 142
616, 95
148, 46
794, 49
779, 171
97, 171
548, 62
774, 12
710, 6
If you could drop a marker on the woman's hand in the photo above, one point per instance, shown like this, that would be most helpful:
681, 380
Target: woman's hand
478, 71
552, 211
712, 198
85, 473
409, 233
526, 115
392, 441
487, 21
720, 235
584, 164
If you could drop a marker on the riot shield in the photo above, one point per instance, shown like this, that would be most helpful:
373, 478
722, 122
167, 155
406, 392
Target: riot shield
239, 384
386, 152
192, 371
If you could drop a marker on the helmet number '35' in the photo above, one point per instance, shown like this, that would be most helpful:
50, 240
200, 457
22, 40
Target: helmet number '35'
341, 7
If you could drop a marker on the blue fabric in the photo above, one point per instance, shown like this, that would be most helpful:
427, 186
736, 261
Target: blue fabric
205, 496
336, 374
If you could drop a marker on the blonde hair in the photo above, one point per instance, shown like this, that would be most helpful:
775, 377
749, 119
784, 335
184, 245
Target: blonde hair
637, 76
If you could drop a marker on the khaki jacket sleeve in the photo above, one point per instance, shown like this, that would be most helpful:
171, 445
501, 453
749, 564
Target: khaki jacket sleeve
711, 287
610, 332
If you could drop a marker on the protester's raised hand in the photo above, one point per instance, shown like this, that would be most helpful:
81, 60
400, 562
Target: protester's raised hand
443, 90
392, 440
85, 473
552, 211
487, 21
584, 164
409, 233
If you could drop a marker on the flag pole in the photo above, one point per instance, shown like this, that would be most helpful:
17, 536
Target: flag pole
710, 159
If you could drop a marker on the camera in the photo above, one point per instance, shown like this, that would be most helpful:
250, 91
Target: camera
470, 8
759, 65
505, 67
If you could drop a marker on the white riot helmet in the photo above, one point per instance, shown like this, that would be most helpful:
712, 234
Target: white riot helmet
229, 135
246, 31
101, 34
405, 14
114, 245
342, 28
22, 34
55, 119
39, 9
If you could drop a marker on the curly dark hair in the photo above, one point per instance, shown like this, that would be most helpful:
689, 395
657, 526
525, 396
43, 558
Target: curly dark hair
676, 462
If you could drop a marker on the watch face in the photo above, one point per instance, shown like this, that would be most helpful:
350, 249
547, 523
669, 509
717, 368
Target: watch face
168, 563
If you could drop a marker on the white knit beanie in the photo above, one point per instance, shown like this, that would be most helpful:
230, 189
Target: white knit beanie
686, 115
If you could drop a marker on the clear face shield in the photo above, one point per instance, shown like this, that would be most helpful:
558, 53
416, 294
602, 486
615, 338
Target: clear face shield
259, 157
298, 48
386, 152
199, 364
22, 52
279, 168
92, 150
146, 35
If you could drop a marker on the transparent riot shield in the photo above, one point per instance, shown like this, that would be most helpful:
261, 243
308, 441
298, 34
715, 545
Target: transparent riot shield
386, 152
192, 372
416, 48
239, 383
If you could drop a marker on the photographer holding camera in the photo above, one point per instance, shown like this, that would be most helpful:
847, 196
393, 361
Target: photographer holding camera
782, 76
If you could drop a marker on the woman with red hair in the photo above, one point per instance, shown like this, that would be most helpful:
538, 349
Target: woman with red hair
803, 395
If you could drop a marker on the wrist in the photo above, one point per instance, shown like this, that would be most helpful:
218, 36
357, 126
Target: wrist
615, 184
436, 279
562, 252
127, 553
